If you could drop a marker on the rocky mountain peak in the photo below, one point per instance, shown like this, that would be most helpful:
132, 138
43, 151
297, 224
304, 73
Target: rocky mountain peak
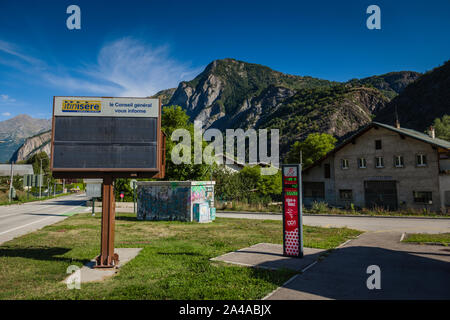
228, 86
14, 131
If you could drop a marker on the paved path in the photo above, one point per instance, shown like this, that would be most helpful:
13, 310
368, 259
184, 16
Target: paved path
17, 220
377, 224
408, 271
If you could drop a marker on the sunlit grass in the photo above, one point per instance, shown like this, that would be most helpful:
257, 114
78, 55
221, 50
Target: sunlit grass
174, 263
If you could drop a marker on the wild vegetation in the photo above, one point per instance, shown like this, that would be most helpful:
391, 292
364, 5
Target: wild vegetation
174, 263
49, 187
427, 238
244, 80
442, 127
422, 101
390, 84
314, 147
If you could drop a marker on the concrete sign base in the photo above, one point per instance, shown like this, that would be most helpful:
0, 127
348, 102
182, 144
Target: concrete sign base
90, 274
269, 256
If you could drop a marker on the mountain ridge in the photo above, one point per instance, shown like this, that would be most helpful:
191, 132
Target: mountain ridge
15, 130
38, 143
422, 101
230, 93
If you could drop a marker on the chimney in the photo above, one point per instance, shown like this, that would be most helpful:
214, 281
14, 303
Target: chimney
397, 123
432, 133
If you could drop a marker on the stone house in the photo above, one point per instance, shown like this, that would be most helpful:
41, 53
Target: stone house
383, 166
232, 165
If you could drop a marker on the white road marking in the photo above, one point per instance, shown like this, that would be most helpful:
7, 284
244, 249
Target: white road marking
36, 210
402, 237
307, 267
343, 244
28, 224
15, 214
25, 225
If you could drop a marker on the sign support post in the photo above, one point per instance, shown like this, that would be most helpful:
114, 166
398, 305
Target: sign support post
292, 210
107, 257
133, 183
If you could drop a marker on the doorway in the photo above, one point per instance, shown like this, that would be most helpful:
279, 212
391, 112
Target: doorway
381, 194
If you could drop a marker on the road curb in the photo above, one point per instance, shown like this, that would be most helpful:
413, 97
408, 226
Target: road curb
338, 215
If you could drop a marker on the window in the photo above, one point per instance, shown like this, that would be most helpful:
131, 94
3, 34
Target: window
378, 144
362, 163
421, 160
314, 190
379, 162
398, 161
327, 171
422, 197
346, 195
344, 163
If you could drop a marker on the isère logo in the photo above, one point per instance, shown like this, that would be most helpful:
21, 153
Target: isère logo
81, 106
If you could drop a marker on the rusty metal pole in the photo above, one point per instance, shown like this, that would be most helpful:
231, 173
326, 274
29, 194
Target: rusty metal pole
107, 257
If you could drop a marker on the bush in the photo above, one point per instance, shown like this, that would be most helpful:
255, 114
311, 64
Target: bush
319, 207
247, 186
123, 185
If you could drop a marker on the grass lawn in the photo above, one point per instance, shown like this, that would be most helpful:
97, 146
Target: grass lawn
442, 238
174, 262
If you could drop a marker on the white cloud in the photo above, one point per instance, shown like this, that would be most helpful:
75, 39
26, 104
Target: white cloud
73, 84
6, 114
124, 67
4, 98
139, 69
16, 58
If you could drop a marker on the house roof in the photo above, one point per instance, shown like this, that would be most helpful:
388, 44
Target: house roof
403, 131
417, 135
226, 156
18, 169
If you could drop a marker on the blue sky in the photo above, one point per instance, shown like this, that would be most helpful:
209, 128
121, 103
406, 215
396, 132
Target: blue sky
136, 48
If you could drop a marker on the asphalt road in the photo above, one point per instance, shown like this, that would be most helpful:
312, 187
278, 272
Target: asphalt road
17, 220
406, 271
376, 224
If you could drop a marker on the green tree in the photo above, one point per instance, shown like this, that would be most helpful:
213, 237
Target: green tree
315, 146
246, 184
228, 186
270, 185
123, 185
174, 117
35, 160
250, 176
442, 127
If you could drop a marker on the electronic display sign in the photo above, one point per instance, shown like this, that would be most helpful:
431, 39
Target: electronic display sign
292, 211
92, 136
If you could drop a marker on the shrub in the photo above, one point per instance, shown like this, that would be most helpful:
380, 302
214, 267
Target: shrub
319, 207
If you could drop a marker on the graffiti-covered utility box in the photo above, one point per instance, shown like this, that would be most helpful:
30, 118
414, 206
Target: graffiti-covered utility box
172, 200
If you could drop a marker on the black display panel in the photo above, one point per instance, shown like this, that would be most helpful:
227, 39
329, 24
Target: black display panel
105, 142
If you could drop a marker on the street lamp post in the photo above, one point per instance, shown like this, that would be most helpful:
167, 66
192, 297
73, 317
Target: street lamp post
40, 181
11, 182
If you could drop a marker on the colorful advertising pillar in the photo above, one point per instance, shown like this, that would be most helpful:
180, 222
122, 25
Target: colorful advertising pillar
292, 211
